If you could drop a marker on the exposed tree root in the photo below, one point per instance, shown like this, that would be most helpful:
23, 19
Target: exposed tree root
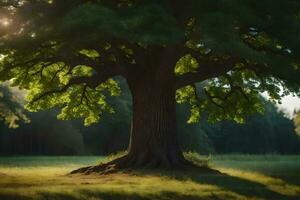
129, 163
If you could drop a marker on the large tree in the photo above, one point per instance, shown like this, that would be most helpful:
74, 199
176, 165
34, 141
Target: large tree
67, 54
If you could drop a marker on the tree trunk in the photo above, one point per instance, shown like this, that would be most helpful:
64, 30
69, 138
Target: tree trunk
153, 141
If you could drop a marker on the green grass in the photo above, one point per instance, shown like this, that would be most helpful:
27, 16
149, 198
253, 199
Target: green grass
244, 177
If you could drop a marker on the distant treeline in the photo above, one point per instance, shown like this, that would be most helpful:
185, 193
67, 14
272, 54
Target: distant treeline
45, 135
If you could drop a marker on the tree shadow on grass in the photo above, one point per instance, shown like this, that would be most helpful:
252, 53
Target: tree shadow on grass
101, 195
289, 179
125, 196
247, 188
242, 186
14, 197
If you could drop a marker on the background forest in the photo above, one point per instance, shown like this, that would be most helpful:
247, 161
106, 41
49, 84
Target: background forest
45, 135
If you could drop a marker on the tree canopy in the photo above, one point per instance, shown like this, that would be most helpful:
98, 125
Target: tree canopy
66, 53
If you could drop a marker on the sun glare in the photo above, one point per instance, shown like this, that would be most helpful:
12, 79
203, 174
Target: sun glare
5, 22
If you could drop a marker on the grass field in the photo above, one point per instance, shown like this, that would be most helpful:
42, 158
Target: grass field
244, 177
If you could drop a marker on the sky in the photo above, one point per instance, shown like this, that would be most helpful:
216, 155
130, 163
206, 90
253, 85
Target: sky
289, 104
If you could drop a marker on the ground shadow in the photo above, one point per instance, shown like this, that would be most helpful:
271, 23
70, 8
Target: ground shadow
242, 186
289, 179
100, 195
236, 185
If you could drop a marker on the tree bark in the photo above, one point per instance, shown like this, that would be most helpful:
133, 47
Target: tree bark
153, 141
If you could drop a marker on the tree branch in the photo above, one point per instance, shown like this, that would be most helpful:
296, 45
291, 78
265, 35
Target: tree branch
236, 87
82, 80
213, 67
212, 100
207, 69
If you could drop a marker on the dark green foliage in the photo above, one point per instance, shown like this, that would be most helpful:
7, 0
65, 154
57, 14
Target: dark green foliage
45, 135
239, 47
271, 133
136, 25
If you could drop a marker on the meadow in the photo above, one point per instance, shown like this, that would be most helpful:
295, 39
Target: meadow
243, 177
